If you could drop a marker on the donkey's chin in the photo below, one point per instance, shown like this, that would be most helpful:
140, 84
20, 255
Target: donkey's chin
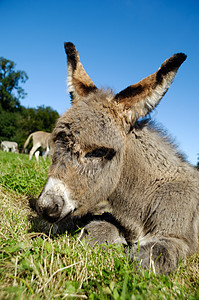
55, 218
65, 214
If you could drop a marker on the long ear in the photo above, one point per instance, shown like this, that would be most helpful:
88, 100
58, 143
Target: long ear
79, 83
139, 99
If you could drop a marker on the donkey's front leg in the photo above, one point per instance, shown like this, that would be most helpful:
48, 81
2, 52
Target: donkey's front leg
161, 254
100, 232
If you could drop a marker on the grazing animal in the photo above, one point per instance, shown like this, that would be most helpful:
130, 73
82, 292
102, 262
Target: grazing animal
9, 146
37, 155
103, 152
40, 139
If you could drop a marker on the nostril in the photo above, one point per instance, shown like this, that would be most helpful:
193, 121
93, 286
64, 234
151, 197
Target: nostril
52, 214
54, 211
56, 208
50, 207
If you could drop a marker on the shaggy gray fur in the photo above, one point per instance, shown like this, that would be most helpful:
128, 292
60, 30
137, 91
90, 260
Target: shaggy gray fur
103, 154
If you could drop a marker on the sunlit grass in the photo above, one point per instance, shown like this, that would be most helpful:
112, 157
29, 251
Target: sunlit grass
21, 175
34, 264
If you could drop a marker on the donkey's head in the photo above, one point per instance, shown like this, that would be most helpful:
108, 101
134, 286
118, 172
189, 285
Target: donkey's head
90, 138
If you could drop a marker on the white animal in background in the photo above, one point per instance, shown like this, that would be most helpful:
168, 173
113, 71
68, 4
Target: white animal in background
9, 146
40, 139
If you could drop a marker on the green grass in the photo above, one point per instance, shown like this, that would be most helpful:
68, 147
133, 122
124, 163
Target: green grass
21, 175
34, 264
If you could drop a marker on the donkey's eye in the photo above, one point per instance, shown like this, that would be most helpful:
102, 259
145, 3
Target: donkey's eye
101, 152
98, 152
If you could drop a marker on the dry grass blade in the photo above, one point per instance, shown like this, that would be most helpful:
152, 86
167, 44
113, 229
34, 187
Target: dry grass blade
59, 270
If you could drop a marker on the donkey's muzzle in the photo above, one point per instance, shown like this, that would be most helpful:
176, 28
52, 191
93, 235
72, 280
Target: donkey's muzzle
54, 202
50, 207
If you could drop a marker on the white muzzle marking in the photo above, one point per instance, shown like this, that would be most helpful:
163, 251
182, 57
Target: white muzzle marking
57, 187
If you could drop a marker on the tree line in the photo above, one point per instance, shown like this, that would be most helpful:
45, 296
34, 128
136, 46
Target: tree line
16, 121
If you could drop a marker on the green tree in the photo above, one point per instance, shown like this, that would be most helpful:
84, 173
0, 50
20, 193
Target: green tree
10, 90
8, 125
34, 119
16, 121
40, 118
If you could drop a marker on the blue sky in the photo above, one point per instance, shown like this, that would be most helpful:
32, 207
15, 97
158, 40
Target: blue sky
119, 41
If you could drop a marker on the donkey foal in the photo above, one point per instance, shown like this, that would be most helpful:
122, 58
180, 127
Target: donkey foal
103, 153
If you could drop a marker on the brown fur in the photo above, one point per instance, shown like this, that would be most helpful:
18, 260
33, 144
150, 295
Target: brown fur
76, 74
102, 154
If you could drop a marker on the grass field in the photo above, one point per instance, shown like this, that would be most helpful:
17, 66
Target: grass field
34, 264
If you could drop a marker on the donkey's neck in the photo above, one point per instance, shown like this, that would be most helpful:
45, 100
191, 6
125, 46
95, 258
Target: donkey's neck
151, 155
149, 162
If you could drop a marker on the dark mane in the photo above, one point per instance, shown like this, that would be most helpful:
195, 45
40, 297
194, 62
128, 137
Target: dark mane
162, 132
